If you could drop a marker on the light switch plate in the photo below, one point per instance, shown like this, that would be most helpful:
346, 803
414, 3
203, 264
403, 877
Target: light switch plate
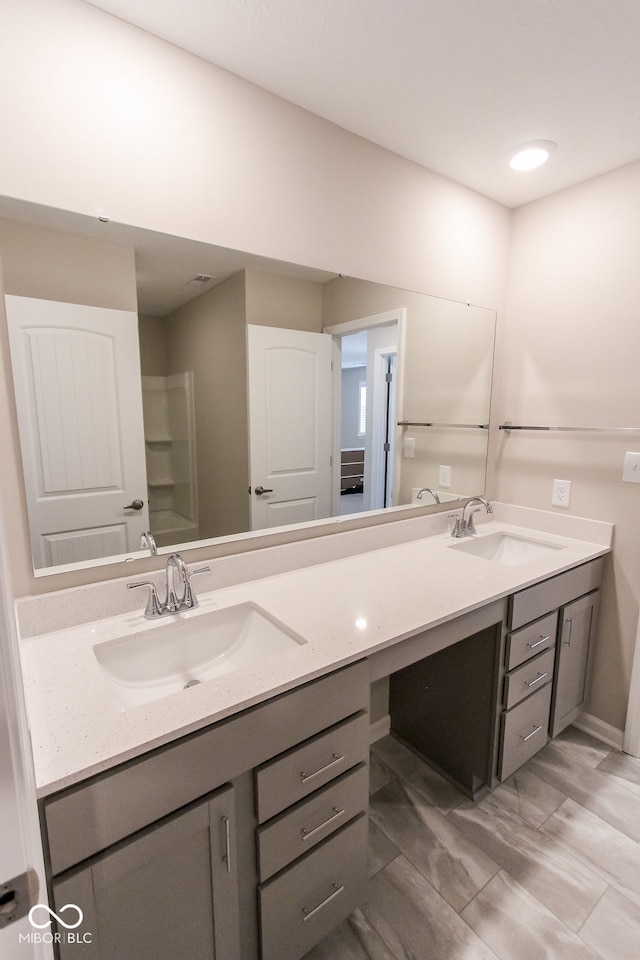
409, 447
631, 471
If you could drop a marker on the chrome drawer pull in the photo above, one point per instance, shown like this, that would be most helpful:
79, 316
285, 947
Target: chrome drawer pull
532, 734
309, 833
227, 842
538, 642
309, 776
540, 677
309, 913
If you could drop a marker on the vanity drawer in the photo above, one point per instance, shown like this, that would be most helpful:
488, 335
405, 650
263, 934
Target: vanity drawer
528, 678
524, 731
297, 830
531, 640
298, 772
543, 597
300, 905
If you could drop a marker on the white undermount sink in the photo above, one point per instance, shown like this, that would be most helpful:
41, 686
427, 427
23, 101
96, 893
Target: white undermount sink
506, 548
190, 648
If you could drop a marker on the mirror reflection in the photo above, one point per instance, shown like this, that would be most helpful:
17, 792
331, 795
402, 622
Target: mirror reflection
169, 386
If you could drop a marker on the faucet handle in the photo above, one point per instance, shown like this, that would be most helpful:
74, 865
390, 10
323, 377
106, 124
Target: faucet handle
148, 542
471, 527
190, 599
154, 608
457, 530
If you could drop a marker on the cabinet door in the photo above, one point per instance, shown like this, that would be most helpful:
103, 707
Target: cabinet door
168, 891
577, 625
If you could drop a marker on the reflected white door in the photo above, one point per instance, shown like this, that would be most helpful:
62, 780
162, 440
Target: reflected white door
76, 373
290, 425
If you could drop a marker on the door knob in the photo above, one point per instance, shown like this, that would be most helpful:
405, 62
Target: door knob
134, 505
260, 490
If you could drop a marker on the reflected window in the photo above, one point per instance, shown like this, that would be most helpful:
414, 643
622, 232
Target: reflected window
362, 408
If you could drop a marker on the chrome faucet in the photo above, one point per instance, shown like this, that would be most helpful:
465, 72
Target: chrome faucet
177, 598
428, 490
148, 542
464, 525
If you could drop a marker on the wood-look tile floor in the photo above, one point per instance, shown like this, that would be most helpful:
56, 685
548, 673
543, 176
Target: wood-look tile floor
545, 868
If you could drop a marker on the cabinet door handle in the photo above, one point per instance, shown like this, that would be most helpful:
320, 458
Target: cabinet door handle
569, 624
540, 677
307, 914
309, 833
538, 642
227, 842
532, 734
304, 777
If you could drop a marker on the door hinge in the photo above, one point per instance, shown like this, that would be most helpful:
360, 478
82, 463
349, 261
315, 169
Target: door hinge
386, 447
389, 377
17, 896
330, 461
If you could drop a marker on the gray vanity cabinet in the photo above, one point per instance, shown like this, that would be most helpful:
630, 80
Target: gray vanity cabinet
477, 698
546, 650
168, 891
578, 621
311, 803
164, 853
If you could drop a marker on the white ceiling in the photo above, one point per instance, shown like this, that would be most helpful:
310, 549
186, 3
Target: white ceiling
450, 84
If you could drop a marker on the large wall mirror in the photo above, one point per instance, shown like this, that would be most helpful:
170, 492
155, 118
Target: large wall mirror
198, 393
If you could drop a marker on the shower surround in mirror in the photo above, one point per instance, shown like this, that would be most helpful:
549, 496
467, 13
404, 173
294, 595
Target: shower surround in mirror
170, 448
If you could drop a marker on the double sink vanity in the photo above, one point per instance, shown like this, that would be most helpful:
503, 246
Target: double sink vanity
203, 777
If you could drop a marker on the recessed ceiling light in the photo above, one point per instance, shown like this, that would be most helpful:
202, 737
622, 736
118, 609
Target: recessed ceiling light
530, 155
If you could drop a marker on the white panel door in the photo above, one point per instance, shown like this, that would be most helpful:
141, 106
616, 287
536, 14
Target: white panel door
290, 425
76, 373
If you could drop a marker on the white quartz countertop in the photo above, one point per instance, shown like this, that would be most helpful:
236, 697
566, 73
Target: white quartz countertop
344, 609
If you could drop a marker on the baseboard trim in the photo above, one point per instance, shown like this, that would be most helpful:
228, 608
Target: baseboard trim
600, 730
379, 729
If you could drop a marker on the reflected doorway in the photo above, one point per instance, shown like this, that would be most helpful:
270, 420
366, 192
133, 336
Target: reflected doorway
367, 401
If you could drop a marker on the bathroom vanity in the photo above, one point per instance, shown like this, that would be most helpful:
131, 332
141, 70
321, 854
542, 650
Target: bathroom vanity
486, 703
228, 820
160, 851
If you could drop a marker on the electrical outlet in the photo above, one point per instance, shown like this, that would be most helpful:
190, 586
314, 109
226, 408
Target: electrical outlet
444, 477
631, 471
561, 493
